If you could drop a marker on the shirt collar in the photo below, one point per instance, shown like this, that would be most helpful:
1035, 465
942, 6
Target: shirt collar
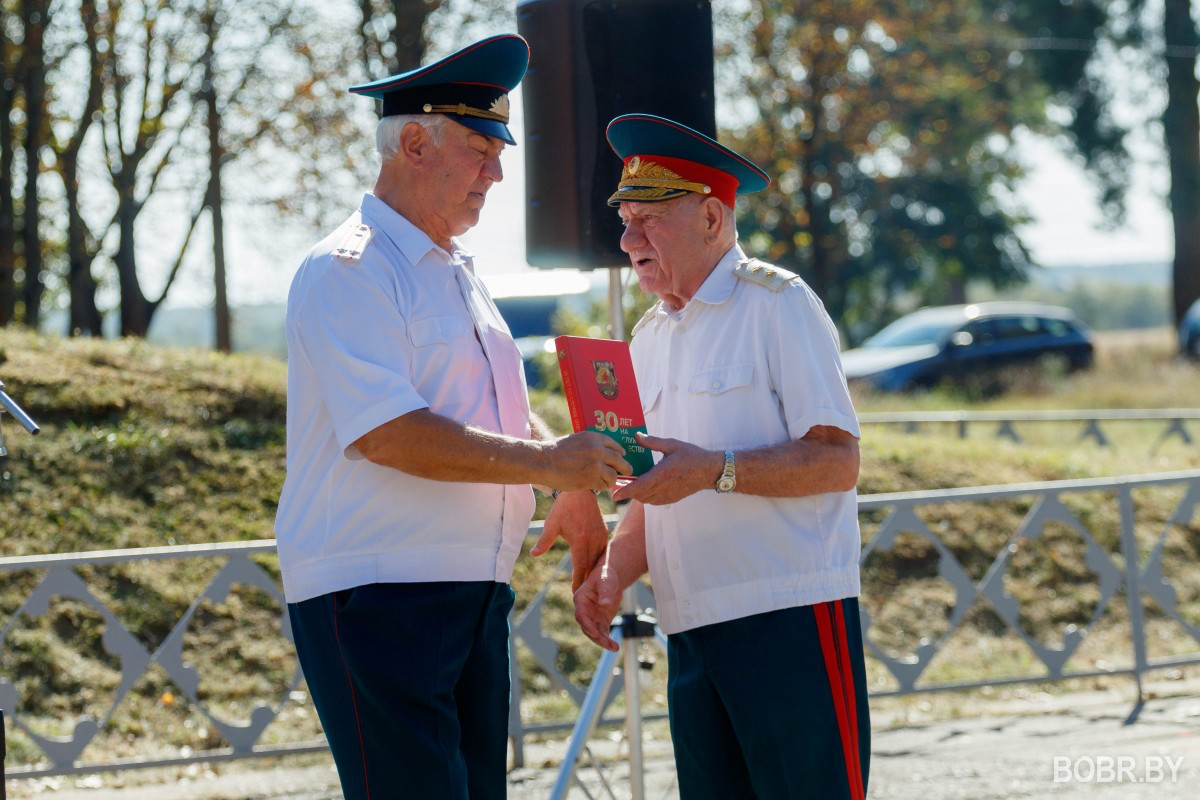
414, 244
715, 290
720, 282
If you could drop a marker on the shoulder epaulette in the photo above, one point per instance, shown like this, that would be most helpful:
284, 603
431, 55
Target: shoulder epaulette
352, 247
649, 315
768, 275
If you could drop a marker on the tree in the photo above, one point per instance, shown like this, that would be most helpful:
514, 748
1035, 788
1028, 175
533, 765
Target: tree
150, 65
397, 35
10, 55
1181, 129
67, 142
887, 127
1075, 48
134, 103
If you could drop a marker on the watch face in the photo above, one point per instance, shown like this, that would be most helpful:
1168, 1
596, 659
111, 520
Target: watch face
725, 484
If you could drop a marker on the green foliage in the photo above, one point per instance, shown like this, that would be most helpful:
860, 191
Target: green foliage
887, 130
1071, 75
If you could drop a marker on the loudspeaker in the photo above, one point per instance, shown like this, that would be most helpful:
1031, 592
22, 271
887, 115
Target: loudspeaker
590, 61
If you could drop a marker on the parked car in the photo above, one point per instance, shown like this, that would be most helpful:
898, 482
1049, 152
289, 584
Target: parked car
955, 342
1189, 332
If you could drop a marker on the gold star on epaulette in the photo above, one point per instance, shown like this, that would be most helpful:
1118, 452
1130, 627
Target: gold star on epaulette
768, 275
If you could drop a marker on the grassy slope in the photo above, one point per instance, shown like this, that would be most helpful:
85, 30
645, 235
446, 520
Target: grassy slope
144, 446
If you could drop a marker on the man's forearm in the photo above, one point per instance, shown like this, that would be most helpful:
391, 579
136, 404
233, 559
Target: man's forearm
428, 445
627, 550
826, 460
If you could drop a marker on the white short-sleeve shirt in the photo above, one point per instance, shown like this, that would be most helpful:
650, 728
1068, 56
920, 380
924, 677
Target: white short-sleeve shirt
375, 332
742, 366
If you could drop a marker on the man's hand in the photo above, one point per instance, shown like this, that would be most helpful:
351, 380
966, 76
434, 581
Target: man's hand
576, 517
596, 603
684, 470
585, 460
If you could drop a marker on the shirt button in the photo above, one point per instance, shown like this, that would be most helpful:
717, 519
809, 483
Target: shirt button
687, 603
681, 328
674, 387
716, 384
674, 565
687, 620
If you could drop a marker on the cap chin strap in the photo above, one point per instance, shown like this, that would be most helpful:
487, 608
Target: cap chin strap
464, 110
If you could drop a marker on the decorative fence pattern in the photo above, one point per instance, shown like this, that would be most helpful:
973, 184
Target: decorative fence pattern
1004, 423
1140, 579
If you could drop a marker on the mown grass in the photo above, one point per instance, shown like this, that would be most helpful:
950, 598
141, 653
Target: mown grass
145, 446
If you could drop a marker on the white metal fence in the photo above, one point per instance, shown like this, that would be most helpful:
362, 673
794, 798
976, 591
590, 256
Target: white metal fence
1121, 564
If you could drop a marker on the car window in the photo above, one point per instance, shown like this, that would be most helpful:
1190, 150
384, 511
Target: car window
982, 331
911, 330
1057, 328
1016, 327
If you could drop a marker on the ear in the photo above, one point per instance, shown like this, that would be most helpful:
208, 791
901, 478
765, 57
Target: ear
713, 213
415, 143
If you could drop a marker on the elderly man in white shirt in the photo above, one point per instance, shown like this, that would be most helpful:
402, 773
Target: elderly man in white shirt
411, 450
748, 523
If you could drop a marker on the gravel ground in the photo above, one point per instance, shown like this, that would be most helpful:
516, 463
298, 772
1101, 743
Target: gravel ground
1069, 747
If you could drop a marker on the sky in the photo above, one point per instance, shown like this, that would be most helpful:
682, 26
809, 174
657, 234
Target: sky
1062, 203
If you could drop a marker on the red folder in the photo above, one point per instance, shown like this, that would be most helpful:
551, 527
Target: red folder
602, 393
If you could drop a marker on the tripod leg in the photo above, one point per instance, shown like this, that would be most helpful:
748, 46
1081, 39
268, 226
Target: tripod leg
633, 705
589, 715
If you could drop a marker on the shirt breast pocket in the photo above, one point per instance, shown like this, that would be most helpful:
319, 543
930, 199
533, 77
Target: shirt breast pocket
720, 405
718, 381
445, 369
436, 330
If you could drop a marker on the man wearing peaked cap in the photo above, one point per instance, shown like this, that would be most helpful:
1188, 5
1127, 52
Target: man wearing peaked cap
748, 522
411, 450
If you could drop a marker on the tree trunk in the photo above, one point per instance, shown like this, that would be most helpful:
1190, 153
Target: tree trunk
1181, 124
135, 310
35, 13
409, 33
8, 226
220, 300
84, 315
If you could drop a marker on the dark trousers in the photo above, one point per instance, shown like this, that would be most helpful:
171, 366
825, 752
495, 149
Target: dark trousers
411, 682
772, 706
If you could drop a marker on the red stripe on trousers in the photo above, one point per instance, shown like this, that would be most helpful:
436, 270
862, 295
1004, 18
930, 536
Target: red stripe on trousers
353, 701
848, 683
823, 614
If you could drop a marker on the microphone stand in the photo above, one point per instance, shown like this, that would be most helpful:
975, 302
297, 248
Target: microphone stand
18, 413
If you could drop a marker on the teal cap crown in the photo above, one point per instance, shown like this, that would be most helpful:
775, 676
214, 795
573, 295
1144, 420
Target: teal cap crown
470, 86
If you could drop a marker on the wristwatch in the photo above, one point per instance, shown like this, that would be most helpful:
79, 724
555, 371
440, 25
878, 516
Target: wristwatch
728, 478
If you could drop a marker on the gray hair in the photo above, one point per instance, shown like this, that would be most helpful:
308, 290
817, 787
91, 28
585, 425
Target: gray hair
387, 133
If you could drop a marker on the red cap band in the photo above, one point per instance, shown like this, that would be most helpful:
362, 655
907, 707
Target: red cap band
723, 185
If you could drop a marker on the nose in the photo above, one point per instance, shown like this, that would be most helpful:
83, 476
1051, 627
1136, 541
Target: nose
633, 237
492, 169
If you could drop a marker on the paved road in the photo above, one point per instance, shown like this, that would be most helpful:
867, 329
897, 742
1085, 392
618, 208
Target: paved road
1076, 748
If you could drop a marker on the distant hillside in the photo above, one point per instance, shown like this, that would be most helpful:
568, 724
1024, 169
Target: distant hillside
1150, 274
